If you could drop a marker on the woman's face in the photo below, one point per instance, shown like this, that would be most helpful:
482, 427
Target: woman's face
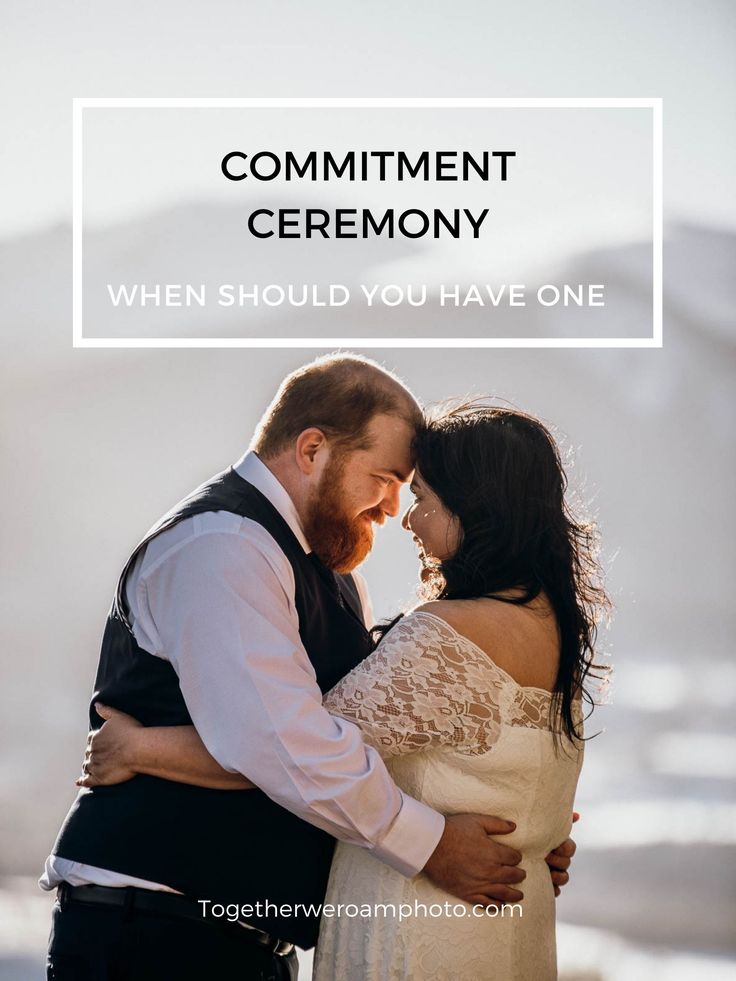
436, 530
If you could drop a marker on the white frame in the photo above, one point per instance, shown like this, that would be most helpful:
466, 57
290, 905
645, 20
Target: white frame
655, 104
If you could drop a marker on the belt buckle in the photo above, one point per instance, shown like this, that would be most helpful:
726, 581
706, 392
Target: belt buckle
274, 946
283, 948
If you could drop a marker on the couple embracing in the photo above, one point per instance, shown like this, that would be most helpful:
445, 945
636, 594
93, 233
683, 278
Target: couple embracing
246, 716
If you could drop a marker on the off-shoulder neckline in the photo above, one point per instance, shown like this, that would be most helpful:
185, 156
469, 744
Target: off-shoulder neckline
479, 650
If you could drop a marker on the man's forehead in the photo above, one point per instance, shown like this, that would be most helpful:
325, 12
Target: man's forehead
393, 426
399, 463
391, 449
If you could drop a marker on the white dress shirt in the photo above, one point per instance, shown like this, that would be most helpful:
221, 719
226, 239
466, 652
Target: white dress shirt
215, 596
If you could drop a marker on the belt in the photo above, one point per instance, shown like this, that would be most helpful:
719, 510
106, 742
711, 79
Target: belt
166, 903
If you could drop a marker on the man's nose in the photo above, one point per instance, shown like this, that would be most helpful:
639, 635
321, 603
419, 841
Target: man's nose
390, 503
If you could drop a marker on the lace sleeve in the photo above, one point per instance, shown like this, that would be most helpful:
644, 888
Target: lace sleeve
423, 686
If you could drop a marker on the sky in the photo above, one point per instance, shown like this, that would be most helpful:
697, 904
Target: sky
681, 51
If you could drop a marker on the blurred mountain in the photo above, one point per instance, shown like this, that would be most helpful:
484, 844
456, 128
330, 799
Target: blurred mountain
97, 443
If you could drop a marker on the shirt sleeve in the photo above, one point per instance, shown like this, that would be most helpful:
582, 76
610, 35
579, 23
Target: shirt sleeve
220, 607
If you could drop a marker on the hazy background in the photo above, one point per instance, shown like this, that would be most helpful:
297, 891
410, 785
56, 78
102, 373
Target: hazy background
96, 444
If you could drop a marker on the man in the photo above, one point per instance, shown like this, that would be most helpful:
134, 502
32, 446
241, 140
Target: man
235, 614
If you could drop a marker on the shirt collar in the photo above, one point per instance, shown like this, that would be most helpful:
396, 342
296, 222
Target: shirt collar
251, 468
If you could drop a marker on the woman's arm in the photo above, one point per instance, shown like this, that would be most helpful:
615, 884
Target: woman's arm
123, 747
421, 688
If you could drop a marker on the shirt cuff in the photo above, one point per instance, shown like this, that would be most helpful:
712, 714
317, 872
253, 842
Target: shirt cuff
412, 838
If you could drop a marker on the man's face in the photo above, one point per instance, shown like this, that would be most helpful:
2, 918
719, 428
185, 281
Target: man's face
358, 488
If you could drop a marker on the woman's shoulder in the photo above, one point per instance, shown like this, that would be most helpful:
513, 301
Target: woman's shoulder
448, 612
478, 619
521, 640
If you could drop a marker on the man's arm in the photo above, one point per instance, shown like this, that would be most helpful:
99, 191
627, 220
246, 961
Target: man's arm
220, 607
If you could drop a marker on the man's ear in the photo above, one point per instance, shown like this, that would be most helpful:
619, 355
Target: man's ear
309, 444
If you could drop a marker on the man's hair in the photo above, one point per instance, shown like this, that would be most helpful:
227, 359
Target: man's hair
339, 394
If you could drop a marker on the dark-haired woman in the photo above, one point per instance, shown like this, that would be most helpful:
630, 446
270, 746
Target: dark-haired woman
474, 700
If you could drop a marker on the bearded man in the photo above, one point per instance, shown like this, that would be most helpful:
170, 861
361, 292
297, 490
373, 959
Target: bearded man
236, 612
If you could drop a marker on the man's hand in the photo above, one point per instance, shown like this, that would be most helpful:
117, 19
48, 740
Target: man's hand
473, 867
108, 749
559, 860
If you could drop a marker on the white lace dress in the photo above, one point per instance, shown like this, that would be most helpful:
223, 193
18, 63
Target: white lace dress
458, 733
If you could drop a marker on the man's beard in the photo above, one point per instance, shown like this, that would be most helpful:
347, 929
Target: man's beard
339, 542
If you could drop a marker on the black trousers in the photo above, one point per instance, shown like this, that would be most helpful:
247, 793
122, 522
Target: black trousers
102, 943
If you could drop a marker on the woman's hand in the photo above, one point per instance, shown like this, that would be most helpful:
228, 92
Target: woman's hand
123, 747
110, 749
559, 860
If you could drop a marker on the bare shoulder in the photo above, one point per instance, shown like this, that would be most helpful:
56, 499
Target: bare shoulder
523, 640
477, 616
454, 612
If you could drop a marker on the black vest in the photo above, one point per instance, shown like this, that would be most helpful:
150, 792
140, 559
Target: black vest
223, 845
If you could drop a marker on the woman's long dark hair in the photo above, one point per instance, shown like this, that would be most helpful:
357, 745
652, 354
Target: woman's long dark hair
499, 471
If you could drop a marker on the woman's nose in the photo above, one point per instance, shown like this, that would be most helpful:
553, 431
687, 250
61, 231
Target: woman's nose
405, 520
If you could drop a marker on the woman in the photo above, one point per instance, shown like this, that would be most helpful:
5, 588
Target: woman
474, 699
